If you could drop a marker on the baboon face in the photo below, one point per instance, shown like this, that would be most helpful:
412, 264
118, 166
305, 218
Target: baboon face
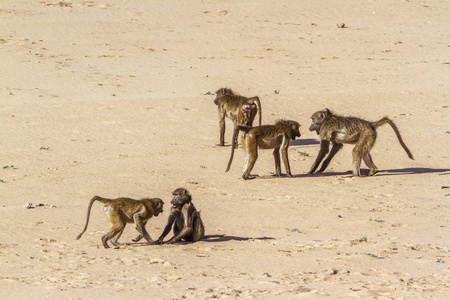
158, 207
317, 120
295, 130
179, 197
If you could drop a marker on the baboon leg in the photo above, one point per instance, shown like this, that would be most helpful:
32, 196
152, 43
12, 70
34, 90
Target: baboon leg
222, 127
199, 229
140, 236
115, 229
284, 154
324, 149
369, 162
276, 156
250, 158
116, 237
140, 227
361, 151
334, 150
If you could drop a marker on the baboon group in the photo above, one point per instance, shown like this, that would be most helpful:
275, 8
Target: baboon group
185, 220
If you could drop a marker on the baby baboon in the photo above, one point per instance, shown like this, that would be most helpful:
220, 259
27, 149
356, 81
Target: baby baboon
125, 210
348, 130
241, 110
186, 221
267, 137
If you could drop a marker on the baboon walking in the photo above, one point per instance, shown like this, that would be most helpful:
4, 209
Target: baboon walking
275, 137
348, 130
125, 210
241, 110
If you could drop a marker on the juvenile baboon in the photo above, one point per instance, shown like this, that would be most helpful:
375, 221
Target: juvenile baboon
241, 110
125, 210
274, 137
348, 130
186, 221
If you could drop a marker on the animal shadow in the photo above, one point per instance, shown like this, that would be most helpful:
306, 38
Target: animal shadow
227, 238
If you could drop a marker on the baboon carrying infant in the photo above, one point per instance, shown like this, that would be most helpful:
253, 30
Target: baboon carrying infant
125, 210
348, 130
241, 110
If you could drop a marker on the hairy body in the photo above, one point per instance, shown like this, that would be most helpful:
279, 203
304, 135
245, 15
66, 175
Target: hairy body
241, 110
340, 130
184, 219
121, 211
275, 137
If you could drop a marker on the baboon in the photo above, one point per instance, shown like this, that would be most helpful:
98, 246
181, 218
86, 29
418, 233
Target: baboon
348, 130
186, 221
125, 210
275, 136
241, 110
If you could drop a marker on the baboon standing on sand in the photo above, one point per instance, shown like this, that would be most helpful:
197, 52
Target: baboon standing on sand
348, 130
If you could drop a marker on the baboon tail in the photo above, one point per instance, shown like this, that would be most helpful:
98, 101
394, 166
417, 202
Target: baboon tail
397, 133
95, 198
258, 103
233, 145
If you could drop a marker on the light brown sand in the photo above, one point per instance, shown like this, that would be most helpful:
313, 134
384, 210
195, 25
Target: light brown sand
110, 98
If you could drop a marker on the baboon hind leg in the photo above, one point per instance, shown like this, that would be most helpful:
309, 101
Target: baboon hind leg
222, 127
250, 160
199, 229
361, 150
369, 162
116, 230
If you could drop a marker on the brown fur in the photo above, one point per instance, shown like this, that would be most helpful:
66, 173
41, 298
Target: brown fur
241, 110
274, 137
186, 221
348, 130
125, 210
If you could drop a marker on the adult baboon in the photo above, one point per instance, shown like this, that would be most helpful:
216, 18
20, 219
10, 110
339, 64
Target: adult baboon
348, 130
186, 221
239, 109
125, 210
274, 137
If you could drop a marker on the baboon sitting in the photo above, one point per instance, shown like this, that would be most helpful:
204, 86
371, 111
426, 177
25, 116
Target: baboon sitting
186, 221
125, 210
274, 137
348, 130
241, 110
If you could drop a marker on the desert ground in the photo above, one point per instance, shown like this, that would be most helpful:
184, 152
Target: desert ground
115, 99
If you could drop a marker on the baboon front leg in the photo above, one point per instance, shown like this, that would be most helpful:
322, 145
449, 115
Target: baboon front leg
276, 156
284, 154
334, 150
140, 227
222, 128
356, 153
324, 149
140, 236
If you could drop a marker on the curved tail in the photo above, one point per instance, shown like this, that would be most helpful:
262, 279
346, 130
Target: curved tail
258, 104
397, 132
95, 198
233, 145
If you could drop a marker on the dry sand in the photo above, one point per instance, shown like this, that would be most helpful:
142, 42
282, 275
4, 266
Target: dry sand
111, 98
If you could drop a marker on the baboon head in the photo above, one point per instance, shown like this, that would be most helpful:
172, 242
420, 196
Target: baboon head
179, 197
222, 91
318, 118
295, 130
157, 206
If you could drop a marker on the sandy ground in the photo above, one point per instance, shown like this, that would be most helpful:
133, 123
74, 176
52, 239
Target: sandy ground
114, 99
